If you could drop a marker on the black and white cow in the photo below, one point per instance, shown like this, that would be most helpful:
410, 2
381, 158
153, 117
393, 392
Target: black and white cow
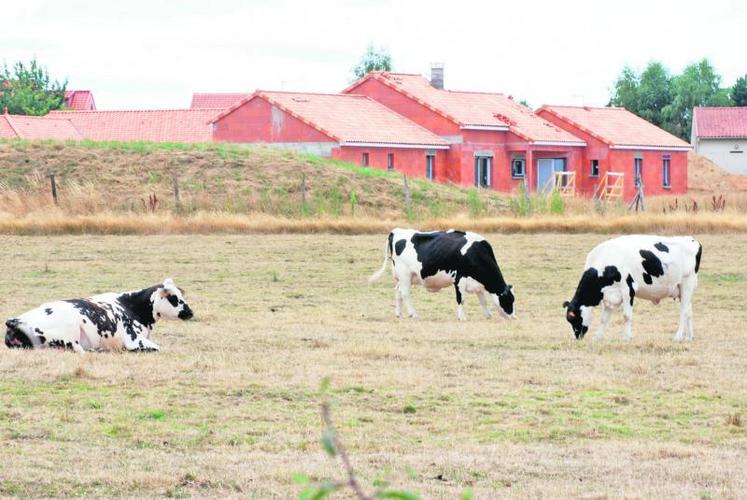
440, 259
643, 266
109, 321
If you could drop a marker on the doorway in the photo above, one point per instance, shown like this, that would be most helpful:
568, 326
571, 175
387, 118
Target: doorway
546, 167
483, 166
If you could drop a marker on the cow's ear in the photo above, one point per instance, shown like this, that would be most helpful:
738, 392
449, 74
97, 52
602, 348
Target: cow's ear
168, 282
566, 304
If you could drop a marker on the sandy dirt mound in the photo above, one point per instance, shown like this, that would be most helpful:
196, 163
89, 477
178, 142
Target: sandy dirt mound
704, 176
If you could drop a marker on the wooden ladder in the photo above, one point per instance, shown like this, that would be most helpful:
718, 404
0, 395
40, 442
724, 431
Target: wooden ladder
562, 182
611, 187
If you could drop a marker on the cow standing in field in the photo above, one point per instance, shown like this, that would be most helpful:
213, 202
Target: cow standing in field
643, 266
440, 259
108, 321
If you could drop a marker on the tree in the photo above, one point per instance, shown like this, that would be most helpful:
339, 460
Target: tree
697, 85
625, 93
28, 90
739, 92
653, 93
373, 60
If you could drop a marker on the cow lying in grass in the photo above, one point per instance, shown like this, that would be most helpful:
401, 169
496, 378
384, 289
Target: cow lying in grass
647, 267
439, 260
108, 321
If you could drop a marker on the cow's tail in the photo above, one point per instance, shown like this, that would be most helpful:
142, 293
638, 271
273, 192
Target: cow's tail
387, 255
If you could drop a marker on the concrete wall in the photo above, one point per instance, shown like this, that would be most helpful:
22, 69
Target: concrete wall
729, 154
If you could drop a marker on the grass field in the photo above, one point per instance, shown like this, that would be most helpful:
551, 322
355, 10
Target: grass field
229, 406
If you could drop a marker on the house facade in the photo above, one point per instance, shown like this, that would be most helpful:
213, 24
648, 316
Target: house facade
494, 142
720, 134
353, 128
620, 142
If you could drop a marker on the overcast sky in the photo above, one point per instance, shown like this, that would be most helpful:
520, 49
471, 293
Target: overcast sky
154, 54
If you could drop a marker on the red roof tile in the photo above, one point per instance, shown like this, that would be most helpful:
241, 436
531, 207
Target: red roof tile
162, 125
37, 127
79, 100
348, 118
216, 100
724, 123
616, 126
474, 109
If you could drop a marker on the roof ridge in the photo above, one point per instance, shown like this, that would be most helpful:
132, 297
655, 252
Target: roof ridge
720, 107
333, 94
100, 111
34, 117
473, 92
570, 106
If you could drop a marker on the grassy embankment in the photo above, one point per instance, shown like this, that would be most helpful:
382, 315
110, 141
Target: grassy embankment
128, 188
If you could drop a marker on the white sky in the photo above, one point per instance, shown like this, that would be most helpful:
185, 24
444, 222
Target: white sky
154, 54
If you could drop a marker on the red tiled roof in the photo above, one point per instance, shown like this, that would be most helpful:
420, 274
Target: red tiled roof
348, 118
216, 100
37, 127
617, 127
79, 100
161, 125
724, 123
474, 109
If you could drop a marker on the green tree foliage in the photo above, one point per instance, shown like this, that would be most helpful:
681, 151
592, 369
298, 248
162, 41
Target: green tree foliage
27, 89
668, 100
625, 93
654, 93
739, 92
373, 60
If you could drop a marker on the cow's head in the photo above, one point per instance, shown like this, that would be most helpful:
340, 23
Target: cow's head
505, 302
169, 302
579, 317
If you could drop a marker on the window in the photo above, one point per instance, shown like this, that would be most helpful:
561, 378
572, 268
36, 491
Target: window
638, 171
482, 171
430, 163
364, 159
594, 168
666, 179
518, 167
390, 162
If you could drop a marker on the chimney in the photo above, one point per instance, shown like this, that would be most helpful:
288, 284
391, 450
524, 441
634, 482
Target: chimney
437, 75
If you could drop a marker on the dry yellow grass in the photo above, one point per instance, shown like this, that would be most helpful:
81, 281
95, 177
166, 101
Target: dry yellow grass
57, 223
229, 407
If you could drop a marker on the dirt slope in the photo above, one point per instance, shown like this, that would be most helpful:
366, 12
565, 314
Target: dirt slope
704, 176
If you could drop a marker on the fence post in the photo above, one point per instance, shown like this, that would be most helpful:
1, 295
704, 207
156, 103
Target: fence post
54, 188
177, 196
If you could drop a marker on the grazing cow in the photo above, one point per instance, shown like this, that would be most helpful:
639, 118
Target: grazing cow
440, 259
642, 266
107, 321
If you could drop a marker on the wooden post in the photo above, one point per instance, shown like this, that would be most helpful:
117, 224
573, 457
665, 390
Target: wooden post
54, 188
408, 196
177, 196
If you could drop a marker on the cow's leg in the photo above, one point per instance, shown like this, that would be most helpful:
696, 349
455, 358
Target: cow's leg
627, 310
685, 328
484, 305
404, 293
461, 291
397, 302
606, 313
139, 343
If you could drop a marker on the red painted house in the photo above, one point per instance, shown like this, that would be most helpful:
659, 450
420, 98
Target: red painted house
80, 100
619, 141
160, 125
348, 127
213, 100
494, 141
